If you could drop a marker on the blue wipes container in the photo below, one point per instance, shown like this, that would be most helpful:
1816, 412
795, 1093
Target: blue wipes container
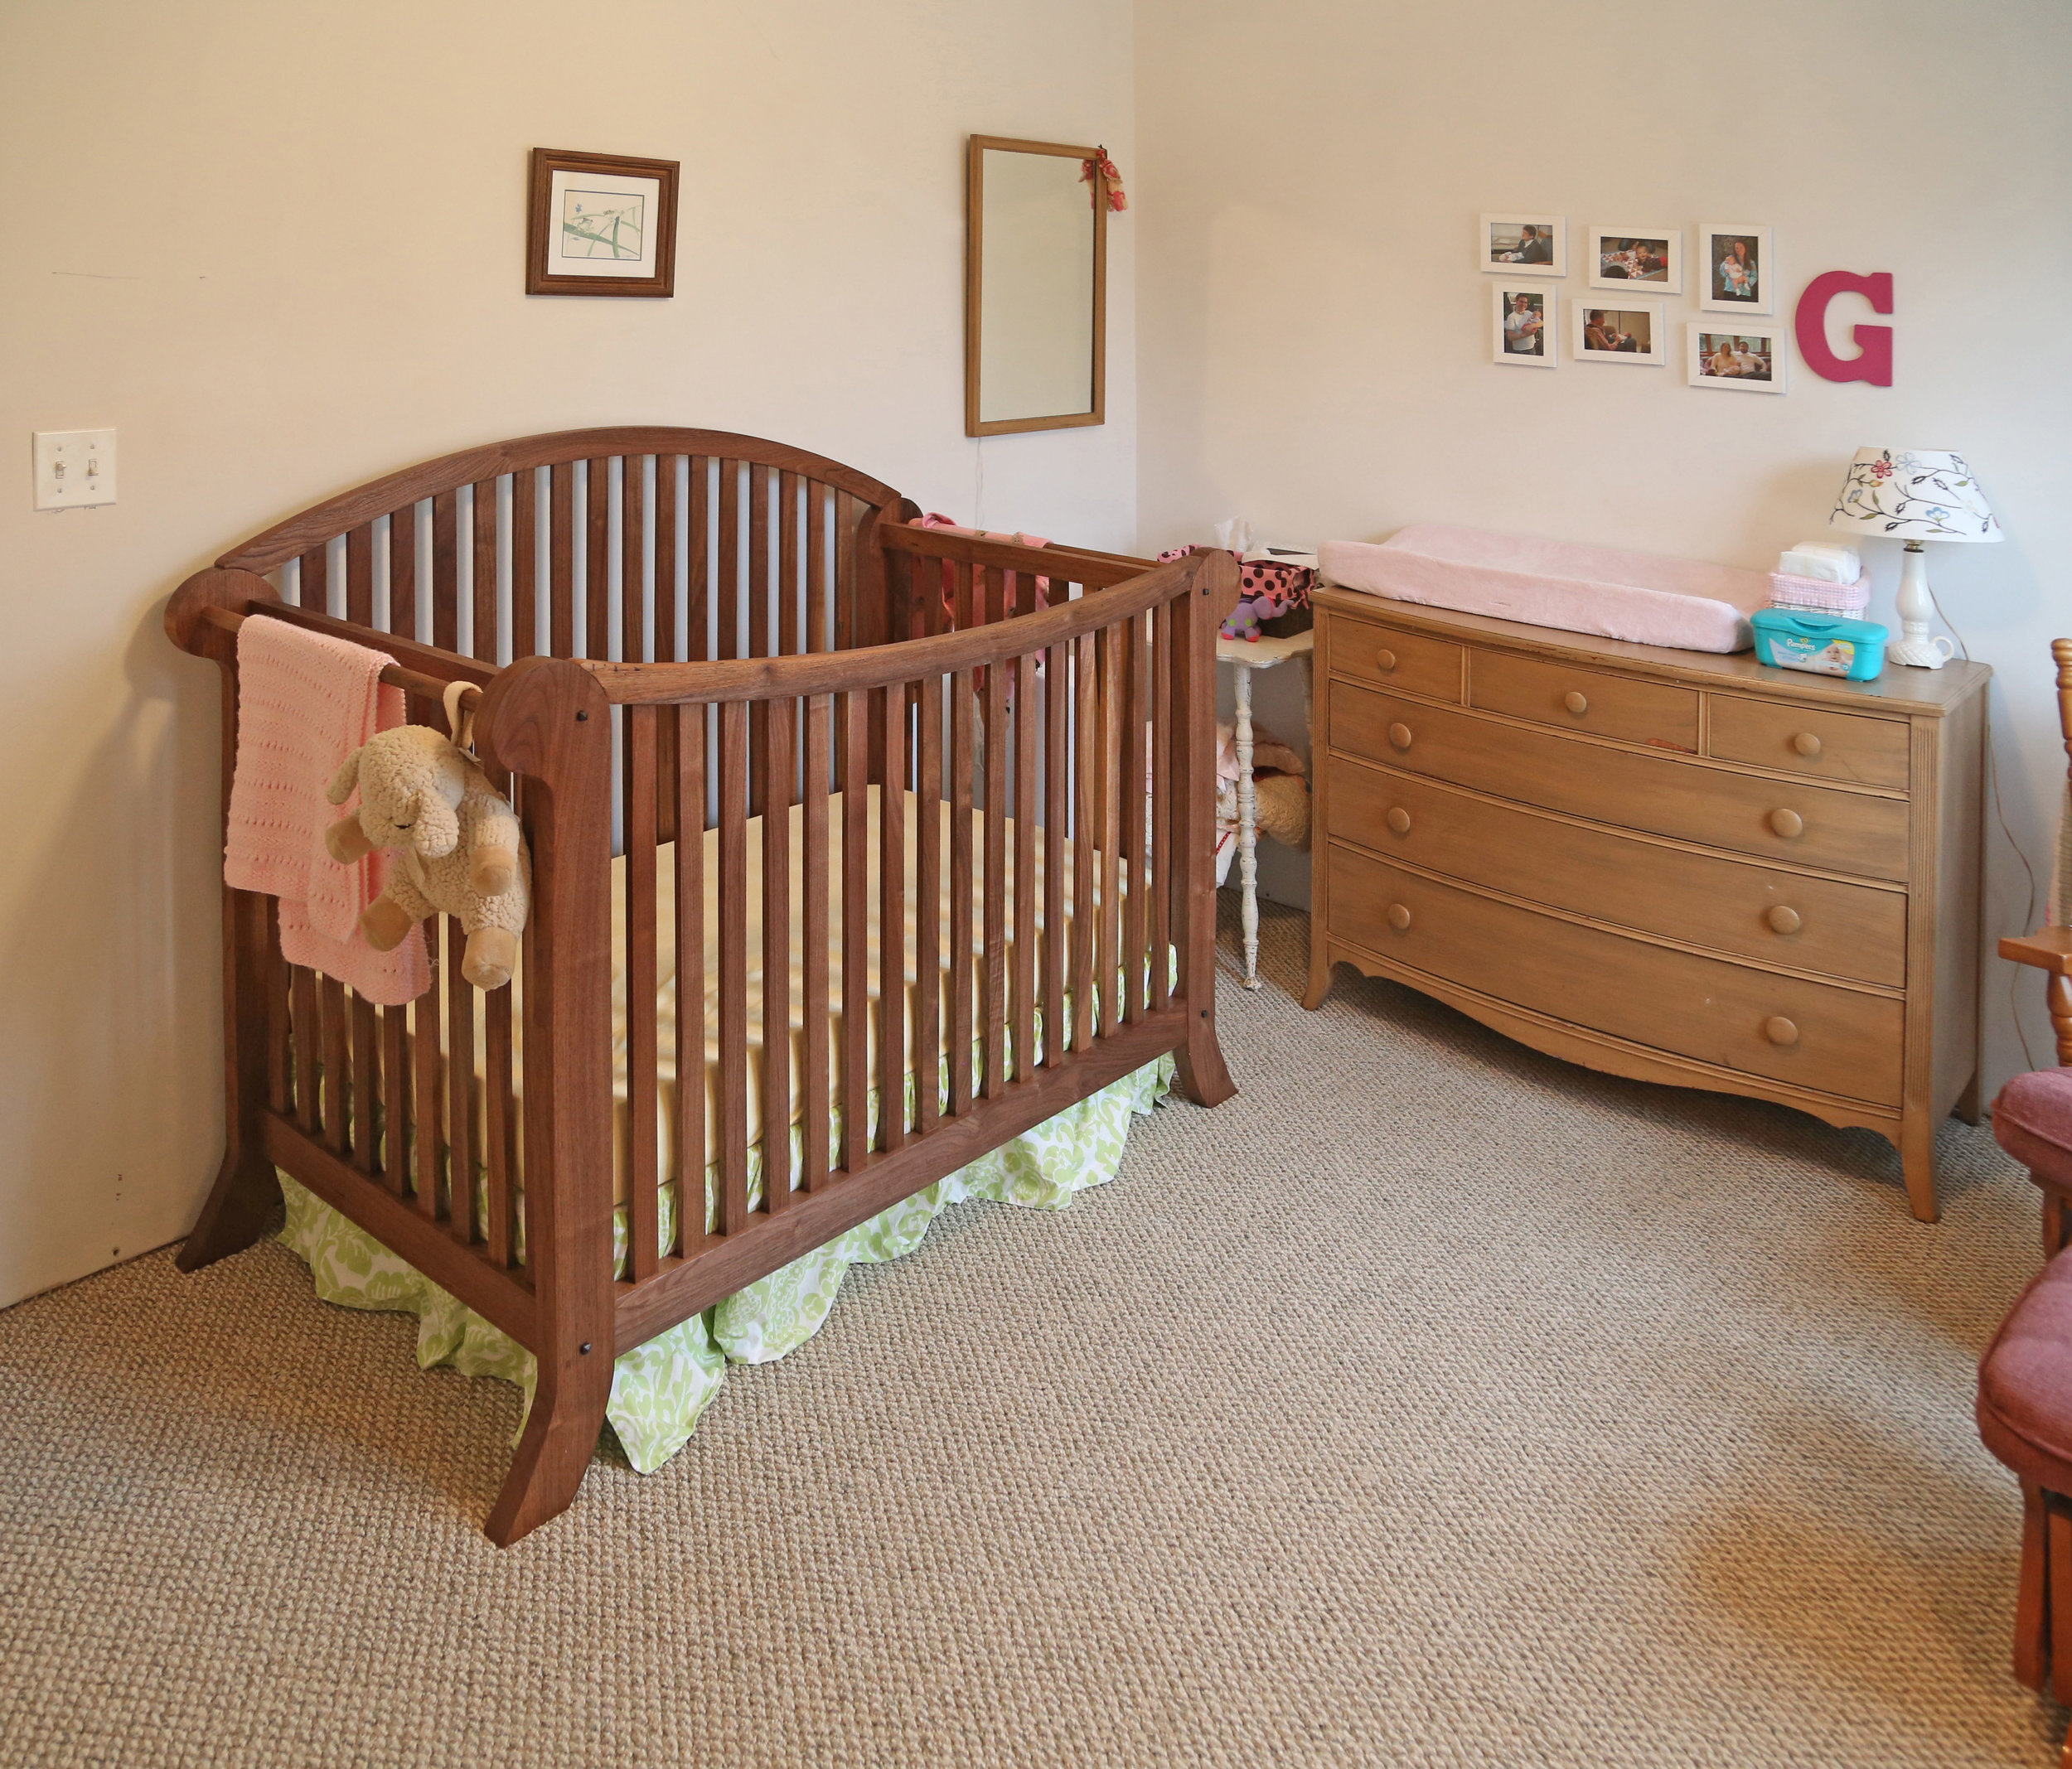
1826, 644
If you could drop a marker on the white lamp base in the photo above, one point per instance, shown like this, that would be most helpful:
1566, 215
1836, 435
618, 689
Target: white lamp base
1914, 647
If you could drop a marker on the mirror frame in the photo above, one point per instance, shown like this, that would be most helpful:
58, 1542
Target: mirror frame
974, 249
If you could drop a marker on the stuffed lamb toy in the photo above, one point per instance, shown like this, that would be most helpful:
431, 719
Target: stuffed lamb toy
461, 850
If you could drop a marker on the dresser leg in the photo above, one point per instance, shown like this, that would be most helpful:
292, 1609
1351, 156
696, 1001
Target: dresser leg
1917, 1161
1320, 971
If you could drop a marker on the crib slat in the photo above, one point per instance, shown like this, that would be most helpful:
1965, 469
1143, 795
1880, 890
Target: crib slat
734, 967
1086, 793
816, 591
856, 933
1160, 894
445, 571
1056, 790
460, 1083
427, 1131
308, 1043
1115, 641
668, 557
959, 984
846, 514
993, 979
274, 978
788, 487
498, 1114
691, 971
1137, 660
331, 1006
758, 623
633, 560
395, 1095
892, 920
1024, 991
403, 571
927, 889
360, 575
314, 578
561, 561
814, 1128
774, 717
726, 586
366, 1082
484, 571
597, 558
525, 567
698, 603
643, 1216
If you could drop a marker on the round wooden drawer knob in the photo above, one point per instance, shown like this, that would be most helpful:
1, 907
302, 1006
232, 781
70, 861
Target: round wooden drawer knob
1399, 917
1779, 1030
1399, 735
1384, 660
1399, 820
1787, 824
1576, 704
1784, 921
1806, 743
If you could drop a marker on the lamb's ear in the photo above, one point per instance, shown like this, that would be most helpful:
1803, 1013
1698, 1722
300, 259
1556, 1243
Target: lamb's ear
435, 829
345, 780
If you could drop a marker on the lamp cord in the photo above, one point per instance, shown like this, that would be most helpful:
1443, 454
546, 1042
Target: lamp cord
2000, 813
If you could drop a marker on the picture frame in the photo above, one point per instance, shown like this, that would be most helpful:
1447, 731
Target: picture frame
1718, 242
1503, 234
1536, 318
1709, 343
1639, 325
600, 223
1642, 259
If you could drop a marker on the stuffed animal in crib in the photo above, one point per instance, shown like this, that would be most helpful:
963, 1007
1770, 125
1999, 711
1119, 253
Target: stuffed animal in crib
461, 851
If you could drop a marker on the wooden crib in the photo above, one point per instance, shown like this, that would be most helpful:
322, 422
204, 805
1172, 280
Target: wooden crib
704, 628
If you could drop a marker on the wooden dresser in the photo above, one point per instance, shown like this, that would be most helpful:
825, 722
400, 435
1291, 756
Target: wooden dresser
1675, 866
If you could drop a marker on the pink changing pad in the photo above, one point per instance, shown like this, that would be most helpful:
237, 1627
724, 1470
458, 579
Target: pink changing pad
1643, 597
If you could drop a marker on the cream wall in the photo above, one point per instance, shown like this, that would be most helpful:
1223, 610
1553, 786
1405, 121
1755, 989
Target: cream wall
280, 246
1315, 348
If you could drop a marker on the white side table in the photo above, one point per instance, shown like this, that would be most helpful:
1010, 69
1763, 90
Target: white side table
1245, 656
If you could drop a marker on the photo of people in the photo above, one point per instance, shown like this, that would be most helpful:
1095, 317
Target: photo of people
1533, 245
1737, 270
1523, 326
1747, 360
1653, 255
1620, 335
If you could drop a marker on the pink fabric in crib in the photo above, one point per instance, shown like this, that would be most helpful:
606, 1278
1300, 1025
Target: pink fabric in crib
1644, 597
305, 702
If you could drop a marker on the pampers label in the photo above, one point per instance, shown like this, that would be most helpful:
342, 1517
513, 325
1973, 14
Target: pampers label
1795, 651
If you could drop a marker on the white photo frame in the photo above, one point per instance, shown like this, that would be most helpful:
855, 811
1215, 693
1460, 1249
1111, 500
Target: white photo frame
1643, 260
1503, 236
1638, 324
1710, 344
1721, 241
1537, 319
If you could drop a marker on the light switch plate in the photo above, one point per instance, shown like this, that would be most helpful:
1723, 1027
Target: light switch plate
74, 469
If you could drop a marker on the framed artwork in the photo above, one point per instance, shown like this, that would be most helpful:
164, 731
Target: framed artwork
1651, 256
1736, 271
1633, 333
599, 223
1736, 358
1523, 245
1521, 325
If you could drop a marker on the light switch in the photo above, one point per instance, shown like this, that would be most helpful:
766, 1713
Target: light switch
74, 468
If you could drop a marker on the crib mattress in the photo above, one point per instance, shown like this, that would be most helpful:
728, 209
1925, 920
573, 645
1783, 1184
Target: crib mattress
666, 1004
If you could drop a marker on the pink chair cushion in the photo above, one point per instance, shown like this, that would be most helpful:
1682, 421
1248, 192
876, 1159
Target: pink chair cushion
2024, 1382
2032, 1120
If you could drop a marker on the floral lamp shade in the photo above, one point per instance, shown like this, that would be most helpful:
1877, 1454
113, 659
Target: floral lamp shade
1914, 494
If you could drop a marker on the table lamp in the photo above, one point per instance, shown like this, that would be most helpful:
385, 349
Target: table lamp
1913, 494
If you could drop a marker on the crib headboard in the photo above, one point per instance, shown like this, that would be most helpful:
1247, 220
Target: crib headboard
527, 548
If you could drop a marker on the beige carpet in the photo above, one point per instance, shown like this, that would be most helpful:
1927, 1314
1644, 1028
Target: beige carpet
1431, 1403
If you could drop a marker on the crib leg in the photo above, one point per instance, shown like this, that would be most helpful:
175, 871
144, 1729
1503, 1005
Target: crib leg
560, 1437
1203, 1076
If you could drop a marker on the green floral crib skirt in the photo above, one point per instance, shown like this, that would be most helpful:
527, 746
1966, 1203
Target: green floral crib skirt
659, 1388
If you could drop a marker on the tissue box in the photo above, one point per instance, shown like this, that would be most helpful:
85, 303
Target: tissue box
1827, 644
1824, 561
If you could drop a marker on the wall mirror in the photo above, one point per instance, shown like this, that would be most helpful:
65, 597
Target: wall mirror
1035, 287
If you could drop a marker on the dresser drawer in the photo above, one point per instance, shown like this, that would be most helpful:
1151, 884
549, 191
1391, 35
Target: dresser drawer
1812, 1035
1737, 906
1607, 706
1409, 661
1828, 746
1798, 822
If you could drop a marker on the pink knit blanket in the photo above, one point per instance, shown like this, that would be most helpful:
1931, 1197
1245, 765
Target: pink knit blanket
305, 702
